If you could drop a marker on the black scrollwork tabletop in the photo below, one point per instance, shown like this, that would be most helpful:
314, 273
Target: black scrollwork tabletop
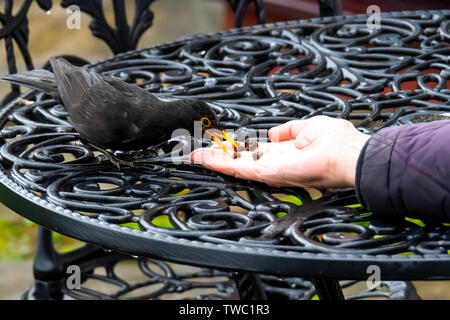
255, 78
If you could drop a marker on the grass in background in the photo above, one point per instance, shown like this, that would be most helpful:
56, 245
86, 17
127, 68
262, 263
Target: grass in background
18, 236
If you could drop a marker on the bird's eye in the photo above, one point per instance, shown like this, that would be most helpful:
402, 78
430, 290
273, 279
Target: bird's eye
206, 122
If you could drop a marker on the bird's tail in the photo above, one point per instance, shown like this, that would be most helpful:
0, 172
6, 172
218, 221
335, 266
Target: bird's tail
42, 80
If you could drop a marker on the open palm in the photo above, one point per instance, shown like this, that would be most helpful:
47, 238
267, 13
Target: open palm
319, 152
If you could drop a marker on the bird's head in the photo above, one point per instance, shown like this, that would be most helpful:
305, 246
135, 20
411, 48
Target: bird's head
210, 124
205, 115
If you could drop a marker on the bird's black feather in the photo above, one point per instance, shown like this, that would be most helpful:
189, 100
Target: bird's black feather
112, 113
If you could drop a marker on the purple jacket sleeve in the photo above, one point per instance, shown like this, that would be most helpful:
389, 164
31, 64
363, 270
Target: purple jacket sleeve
404, 171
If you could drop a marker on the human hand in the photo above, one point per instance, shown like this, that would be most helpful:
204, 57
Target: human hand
320, 152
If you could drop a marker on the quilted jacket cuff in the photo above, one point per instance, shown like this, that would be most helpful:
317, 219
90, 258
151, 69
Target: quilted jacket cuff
372, 174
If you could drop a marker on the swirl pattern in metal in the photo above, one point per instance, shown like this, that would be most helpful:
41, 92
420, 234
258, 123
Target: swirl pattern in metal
255, 78
154, 279
15, 28
123, 36
117, 277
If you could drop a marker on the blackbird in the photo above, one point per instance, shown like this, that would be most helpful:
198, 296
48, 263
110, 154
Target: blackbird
109, 113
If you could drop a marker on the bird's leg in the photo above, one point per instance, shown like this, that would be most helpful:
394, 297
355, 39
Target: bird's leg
111, 157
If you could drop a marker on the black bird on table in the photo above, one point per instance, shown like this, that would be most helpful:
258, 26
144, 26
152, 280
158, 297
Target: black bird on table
112, 114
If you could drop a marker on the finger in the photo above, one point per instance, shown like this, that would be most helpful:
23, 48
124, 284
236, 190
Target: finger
217, 160
275, 147
196, 156
264, 147
287, 131
228, 145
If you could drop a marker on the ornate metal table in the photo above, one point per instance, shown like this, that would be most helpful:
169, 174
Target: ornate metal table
255, 78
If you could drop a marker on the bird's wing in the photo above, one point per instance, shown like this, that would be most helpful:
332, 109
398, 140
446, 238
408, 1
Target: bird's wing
129, 90
73, 82
106, 110
137, 102
90, 101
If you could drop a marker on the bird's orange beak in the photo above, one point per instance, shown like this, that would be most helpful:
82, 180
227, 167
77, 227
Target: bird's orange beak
224, 135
